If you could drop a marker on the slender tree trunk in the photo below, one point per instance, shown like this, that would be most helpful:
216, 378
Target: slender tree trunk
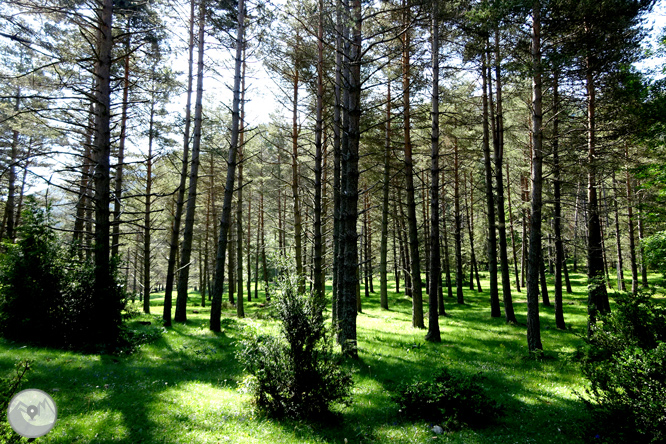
216, 305
618, 237
188, 230
319, 290
106, 308
457, 222
83, 202
348, 253
433, 334
474, 268
597, 296
533, 323
499, 184
495, 310
415, 260
641, 236
147, 206
513, 235
115, 241
10, 209
383, 255
338, 132
630, 221
447, 262
180, 196
557, 210
240, 309
298, 248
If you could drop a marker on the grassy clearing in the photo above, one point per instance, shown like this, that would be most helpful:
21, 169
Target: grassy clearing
187, 387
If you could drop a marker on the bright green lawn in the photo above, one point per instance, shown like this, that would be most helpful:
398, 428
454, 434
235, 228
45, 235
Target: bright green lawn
187, 386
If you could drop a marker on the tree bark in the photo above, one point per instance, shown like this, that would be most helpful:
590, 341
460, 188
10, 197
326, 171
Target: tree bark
533, 323
630, 222
383, 255
433, 334
495, 310
319, 292
415, 260
557, 210
180, 196
216, 305
188, 230
499, 184
457, 222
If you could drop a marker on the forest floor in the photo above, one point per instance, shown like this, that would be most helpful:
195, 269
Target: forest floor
187, 387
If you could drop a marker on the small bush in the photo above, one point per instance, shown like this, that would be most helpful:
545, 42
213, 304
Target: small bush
296, 374
47, 293
625, 361
9, 386
453, 399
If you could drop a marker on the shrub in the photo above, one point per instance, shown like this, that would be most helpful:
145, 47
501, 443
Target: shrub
453, 399
9, 386
296, 374
654, 251
47, 293
625, 361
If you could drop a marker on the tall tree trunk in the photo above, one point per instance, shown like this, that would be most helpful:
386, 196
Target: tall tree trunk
188, 230
630, 221
319, 130
348, 248
180, 195
216, 305
474, 267
415, 260
597, 296
83, 202
499, 184
433, 334
557, 210
447, 262
338, 132
106, 309
147, 207
298, 248
533, 323
457, 222
115, 241
10, 209
383, 254
512, 233
618, 237
240, 309
495, 310
641, 236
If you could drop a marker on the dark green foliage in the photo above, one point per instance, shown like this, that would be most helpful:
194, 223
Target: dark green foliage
47, 293
454, 399
9, 386
296, 373
625, 362
655, 251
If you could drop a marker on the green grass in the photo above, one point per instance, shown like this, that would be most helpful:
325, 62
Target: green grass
187, 387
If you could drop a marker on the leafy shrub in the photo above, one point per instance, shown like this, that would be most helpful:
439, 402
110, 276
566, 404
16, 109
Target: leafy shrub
625, 361
654, 251
453, 399
296, 374
9, 386
47, 293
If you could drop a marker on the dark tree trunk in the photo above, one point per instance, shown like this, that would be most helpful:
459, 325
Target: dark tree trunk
180, 197
147, 206
106, 308
433, 334
415, 260
383, 255
188, 230
225, 221
630, 221
457, 222
499, 184
533, 323
557, 210
495, 310
319, 130
597, 296
618, 237
512, 233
